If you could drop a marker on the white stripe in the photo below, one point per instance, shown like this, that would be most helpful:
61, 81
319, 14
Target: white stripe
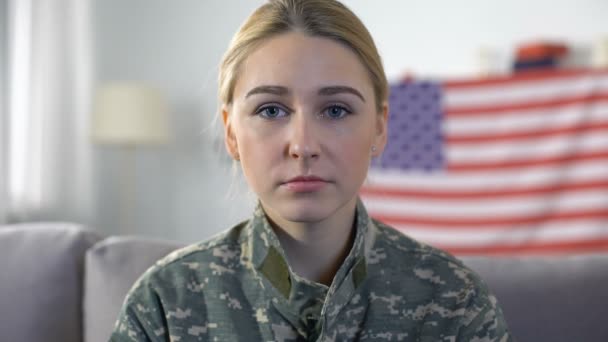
488, 180
551, 232
530, 148
518, 92
498, 208
528, 120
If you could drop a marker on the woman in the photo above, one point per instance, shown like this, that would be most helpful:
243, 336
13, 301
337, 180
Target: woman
304, 105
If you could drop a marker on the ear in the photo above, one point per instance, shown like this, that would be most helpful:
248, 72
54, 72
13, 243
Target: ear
381, 130
229, 137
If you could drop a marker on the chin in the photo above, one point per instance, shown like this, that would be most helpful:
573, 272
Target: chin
305, 211
303, 215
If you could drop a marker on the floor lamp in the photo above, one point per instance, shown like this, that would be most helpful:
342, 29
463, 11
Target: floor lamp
599, 54
128, 115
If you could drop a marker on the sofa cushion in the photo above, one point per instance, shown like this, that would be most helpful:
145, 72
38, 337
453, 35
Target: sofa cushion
559, 298
41, 271
112, 266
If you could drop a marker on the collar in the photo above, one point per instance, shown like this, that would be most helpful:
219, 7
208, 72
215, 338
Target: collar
269, 259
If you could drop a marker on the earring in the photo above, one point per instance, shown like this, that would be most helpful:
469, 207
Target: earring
373, 149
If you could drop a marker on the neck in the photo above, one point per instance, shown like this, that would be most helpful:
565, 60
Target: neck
316, 250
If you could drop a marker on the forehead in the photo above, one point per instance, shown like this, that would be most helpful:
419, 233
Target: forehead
302, 63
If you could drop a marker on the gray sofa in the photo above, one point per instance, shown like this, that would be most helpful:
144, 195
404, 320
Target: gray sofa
60, 282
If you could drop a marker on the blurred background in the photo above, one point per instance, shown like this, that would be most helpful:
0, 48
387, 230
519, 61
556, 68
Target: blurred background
66, 63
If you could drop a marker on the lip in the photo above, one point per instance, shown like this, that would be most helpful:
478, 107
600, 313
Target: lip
305, 184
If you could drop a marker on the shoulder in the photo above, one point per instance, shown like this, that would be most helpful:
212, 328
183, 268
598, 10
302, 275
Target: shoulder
166, 290
435, 283
220, 254
433, 271
410, 252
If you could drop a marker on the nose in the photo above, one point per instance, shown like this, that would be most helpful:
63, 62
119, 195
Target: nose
303, 138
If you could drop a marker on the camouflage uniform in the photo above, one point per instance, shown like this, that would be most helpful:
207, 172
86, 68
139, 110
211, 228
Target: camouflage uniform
239, 287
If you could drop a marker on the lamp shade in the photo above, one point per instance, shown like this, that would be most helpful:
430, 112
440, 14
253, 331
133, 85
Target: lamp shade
129, 113
600, 53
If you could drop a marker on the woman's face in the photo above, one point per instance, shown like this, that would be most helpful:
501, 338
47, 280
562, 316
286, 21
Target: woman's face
303, 122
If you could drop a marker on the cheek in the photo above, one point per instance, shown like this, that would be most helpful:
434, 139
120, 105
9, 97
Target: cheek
249, 146
356, 153
257, 141
251, 164
258, 147
352, 146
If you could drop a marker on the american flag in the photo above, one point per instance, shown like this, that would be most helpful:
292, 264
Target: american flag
501, 165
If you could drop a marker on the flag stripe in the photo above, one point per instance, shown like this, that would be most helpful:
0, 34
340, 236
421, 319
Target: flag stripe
593, 170
524, 77
562, 160
492, 222
577, 129
585, 246
523, 106
549, 232
480, 194
528, 149
484, 209
531, 120
518, 92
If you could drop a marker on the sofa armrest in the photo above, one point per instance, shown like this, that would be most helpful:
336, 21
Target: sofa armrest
41, 272
550, 298
112, 266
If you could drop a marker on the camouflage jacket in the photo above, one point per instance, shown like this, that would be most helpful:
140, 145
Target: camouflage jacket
239, 287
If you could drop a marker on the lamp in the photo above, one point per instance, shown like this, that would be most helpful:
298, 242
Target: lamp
127, 115
599, 54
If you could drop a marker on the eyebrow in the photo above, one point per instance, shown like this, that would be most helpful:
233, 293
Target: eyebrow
280, 91
339, 90
265, 89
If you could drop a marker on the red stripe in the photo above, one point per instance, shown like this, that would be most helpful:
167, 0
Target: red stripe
489, 222
524, 106
541, 133
522, 78
532, 162
588, 246
550, 189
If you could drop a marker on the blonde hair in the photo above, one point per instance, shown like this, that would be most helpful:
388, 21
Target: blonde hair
317, 18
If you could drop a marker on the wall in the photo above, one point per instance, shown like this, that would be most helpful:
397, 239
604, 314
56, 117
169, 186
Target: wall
177, 45
3, 104
442, 38
180, 188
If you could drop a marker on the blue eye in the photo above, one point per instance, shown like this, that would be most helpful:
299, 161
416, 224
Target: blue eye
336, 112
271, 112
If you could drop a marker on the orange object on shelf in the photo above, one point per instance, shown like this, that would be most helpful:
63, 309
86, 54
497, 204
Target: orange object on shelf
541, 50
